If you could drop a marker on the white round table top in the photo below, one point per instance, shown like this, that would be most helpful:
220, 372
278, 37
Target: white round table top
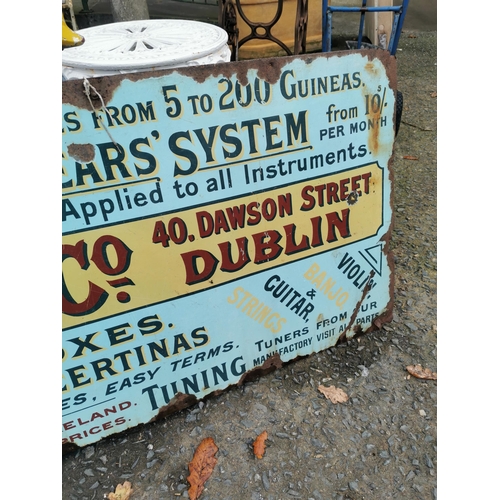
152, 43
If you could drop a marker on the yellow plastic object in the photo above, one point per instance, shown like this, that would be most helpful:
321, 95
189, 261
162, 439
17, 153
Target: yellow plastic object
69, 37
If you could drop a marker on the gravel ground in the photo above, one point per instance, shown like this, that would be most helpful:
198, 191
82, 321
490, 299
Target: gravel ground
382, 443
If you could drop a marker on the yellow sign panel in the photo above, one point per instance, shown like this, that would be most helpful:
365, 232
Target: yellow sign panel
165, 257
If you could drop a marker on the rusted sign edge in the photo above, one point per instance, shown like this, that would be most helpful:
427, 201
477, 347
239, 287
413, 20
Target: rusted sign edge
268, 69
181, 401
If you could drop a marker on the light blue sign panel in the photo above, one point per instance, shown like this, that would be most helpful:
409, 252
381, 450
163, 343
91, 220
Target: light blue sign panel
218, 220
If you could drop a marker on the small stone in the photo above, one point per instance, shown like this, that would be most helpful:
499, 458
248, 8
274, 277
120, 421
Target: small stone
317, 443
282, 435
422, 413
88, 472
89, 451
353, 485
265, 481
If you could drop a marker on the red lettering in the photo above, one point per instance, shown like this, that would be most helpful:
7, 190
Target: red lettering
227, 264
334, 221
292, 247
220, 222
320, 190
254, 213
205, 223
266, 246
309, 200
366, 178
331, 193
96, 295
236, 216
355, 182
193, 273
344, 188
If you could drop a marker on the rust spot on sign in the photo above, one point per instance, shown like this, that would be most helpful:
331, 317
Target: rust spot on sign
357, 328
177, 403
69, 447
82, 152
269, 365
267, 69
371, 68
352, 198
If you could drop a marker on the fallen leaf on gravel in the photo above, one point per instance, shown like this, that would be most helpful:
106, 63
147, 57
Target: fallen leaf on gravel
408, 157
201, 467
122, 492
259, 445
419, 372
412, 36
434, 94
333, 394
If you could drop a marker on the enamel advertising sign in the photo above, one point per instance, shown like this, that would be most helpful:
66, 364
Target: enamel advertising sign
218, 221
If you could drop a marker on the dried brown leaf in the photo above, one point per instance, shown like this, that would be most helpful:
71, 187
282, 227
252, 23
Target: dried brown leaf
409, 157
333, 394
434, 94
122, 492
411, 35
259, 445
419, 372
201, 467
